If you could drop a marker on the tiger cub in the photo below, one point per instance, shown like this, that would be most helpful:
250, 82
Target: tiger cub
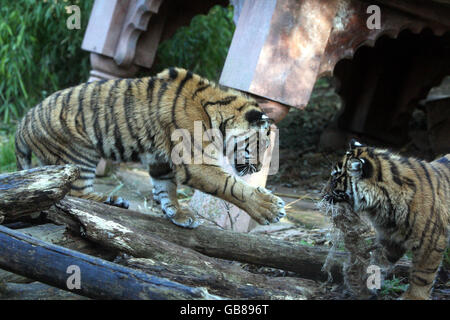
133, 120
408, 202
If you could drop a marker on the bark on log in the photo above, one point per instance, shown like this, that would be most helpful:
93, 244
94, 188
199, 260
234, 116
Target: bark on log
226, 279
100, 279
37, 189
35, 291
58, 235
111, 226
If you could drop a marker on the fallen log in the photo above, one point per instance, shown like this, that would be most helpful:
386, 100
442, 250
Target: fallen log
109, 226
37, 189
35, 291
98, 279
187, 266
226, 279
57, 235
306, 261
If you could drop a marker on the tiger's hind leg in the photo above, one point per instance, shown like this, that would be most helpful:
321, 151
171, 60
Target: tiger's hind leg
425, 266
165, 193
83, 188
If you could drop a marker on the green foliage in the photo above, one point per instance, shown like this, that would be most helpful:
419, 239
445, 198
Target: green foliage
7, 154
395, 286
200, 47
306, 243
38, 53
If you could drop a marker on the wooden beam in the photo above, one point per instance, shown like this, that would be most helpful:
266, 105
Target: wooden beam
99, 279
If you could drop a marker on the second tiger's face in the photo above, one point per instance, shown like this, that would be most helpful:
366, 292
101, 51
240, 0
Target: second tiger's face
350, 180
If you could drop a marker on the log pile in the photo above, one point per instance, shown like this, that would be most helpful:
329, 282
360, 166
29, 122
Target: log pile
124, 254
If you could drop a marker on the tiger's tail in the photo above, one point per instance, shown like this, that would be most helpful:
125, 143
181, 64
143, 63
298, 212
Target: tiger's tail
23, 151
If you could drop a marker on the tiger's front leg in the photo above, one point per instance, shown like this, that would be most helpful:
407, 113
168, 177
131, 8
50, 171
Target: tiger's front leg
258, 202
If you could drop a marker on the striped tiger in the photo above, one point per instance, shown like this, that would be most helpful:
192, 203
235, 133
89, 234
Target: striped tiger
406, 199
133, 120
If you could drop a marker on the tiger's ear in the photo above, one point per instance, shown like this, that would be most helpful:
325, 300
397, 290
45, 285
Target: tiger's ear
355, 144
254, 116
258, 118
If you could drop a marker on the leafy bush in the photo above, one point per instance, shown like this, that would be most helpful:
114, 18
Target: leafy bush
38, 53
200, 47
7, 154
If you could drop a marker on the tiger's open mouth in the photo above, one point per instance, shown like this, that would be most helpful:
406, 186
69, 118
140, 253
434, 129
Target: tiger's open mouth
244, 169
248, 166
245, 161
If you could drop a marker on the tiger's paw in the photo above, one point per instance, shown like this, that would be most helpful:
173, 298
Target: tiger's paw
117, 202
182, 218
265, 207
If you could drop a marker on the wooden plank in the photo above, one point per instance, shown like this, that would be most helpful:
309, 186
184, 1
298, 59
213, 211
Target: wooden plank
99, 279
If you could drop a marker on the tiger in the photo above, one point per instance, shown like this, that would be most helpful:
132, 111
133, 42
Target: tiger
133, 120
407, 200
